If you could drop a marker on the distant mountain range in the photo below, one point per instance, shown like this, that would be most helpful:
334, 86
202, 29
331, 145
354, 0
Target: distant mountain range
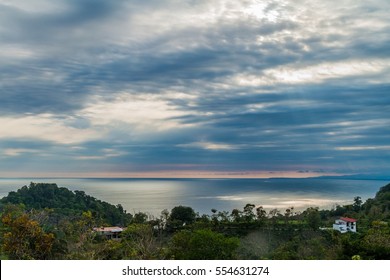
359, 177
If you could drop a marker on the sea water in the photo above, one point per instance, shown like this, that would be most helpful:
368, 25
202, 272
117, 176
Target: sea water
154, 195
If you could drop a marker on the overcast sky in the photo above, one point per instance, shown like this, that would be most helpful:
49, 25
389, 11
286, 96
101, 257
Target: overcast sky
194, 88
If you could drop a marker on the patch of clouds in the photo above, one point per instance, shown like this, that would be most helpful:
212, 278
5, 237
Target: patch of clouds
363, 148
322, 72
207, 146
44, 127
17, 152
175, 83
318, 73
142, 112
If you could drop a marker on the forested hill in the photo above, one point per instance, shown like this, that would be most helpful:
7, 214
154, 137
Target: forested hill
65, 202
378, 207
384, 191
43, 221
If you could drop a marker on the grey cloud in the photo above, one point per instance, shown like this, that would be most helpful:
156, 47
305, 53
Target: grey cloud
82, 52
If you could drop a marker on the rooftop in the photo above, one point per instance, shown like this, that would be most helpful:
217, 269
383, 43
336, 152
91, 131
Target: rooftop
108, 229
345, 219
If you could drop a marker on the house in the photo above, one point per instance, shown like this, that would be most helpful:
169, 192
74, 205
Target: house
109, 232
344, 224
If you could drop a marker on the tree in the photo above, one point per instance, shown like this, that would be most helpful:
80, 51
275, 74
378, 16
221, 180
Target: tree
248, 212
313, 218
272, 214
261, 214
162, 222
182, 215
24, 239
357, 203
203, 244
139, 218
288, 213
236, 215
377, 241
223, 216
165, 215
214, 216
139, 242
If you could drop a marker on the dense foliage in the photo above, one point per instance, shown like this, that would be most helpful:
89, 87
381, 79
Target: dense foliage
203, 244
43, 221
65, 202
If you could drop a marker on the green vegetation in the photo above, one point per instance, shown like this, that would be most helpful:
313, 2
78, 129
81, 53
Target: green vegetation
66, 203
43, 221
203, 244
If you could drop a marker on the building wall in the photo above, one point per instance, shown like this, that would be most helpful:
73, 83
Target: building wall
344, 226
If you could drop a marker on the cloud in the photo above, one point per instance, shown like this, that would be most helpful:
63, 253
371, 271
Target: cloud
17, 152
207, 146
362, 148
43, 127
318, 73
204, 85
142, 112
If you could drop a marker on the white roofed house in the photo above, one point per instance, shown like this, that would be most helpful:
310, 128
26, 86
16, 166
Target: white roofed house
344, 224
109, 232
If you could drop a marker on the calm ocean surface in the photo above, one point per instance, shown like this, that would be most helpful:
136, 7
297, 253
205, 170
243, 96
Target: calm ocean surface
153, 195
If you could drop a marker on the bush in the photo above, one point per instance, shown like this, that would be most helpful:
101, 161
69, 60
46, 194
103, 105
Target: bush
203, 244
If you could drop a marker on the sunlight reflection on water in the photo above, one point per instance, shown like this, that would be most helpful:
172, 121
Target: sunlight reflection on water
154, 195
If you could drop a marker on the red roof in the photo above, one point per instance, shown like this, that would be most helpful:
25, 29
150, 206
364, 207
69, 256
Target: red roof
348, 219
108, 229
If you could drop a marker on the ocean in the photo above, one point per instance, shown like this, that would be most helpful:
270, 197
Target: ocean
154, 195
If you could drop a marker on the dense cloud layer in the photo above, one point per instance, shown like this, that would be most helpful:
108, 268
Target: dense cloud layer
234, 87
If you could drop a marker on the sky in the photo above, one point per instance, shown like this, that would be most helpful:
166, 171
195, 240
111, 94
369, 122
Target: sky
234, 88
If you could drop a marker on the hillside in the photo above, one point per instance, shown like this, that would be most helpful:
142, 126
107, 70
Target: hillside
66, 202
43, 221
